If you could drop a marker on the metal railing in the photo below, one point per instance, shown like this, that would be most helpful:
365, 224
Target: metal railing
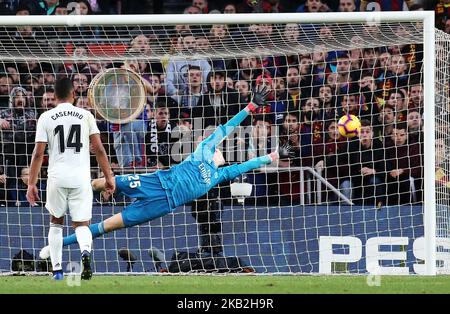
319, 180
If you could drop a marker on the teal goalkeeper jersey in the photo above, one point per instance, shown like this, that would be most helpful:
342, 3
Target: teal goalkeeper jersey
196, 175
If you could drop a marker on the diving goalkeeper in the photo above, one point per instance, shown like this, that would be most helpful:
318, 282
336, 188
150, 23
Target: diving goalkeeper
159, 193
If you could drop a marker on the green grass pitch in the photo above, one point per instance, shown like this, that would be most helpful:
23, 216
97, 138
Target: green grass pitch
227, 284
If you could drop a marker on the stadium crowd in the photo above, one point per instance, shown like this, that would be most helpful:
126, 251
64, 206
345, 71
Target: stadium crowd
383, 86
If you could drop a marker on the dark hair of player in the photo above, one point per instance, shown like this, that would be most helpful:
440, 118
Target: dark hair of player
63, 88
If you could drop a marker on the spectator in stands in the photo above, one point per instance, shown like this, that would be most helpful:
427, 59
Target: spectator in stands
289, 144
398, 71
397, 101
83, 102
229, 8
305, 70
371, 99
289, 140
219, 103
386, 121
158, 138
80, 7
6, 84
310, 131
291, 33
129, 138
177, 69
325, 32
47, 101
280, 104
32, 85
415, 124
219, 36
367, 166
39, 7
141, 46
80, 84
385, 61
230, 83
201, 4
18, 194
311, 6
203, 44
18, 125
192, 10
191, 95
403, 162
243, 87
343, 79
80, 53
347, 6
327, 103
47, 75
356, 54
261, 142
154, 95
332, 157
61, 9
381, 5
293, 86
13, 72
249, 69
349, 105
24, 40
415, 97
320, 68
370, 62
260, 35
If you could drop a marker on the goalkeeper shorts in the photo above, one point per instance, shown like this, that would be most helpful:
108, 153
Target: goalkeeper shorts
144, 210
151, 199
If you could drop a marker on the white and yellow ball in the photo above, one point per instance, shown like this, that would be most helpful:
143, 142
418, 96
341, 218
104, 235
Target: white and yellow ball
349, 125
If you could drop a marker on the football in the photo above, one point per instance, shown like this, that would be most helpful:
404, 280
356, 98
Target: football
349, 125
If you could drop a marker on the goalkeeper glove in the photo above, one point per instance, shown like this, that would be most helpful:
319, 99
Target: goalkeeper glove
259, 97
286, 151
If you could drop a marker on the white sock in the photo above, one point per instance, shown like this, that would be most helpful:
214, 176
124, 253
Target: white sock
84, 238
55, 241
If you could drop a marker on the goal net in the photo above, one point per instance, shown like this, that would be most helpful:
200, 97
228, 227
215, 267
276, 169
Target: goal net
331, 204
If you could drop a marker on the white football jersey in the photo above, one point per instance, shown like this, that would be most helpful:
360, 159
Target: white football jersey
66, 129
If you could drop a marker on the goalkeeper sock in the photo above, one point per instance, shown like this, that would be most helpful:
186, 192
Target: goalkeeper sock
55, 241
96, 230
84, 238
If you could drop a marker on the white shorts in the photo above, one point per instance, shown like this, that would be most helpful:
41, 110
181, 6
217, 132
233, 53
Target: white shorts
77, 200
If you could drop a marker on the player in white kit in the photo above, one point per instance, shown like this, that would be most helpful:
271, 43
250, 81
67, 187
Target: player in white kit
69, 132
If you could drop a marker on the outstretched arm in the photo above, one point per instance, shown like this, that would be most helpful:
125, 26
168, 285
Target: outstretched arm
233, 171
222, 131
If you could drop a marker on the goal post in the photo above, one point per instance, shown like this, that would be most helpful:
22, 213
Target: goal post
326, 229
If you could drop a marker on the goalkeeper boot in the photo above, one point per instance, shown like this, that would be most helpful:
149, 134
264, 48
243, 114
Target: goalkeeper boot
86, 273
58, 275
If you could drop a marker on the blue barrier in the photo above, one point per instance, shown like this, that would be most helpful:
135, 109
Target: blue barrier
270, 239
